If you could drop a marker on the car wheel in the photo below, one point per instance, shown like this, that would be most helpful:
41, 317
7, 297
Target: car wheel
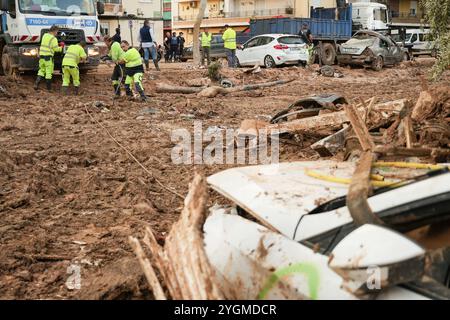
269, 62
377, 64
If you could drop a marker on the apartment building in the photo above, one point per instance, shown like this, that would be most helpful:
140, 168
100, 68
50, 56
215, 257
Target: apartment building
167, 15
129, 15
237, 13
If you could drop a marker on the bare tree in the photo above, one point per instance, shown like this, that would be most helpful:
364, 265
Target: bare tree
198, 22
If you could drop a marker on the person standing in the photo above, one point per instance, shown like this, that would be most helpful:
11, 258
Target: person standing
49, 46
116, 37
174, 44
74, 55
133, 69
206, 38
148, 44
167, 47
229, 43
115, 53
181, 42
305, 34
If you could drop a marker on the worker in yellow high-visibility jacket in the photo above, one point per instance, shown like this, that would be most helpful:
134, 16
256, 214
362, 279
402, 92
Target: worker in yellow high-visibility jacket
206, 38
49, 45
74, 55
229, 43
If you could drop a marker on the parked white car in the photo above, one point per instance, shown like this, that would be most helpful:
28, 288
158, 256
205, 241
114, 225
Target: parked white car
271, 50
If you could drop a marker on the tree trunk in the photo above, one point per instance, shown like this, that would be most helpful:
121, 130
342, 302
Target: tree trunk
198, 22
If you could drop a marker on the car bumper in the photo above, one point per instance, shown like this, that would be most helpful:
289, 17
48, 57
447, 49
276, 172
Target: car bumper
22, 62
360, 60
290, 58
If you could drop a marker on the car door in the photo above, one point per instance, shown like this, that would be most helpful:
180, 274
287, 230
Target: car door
384, 49
246, 55
262, 49
395, 52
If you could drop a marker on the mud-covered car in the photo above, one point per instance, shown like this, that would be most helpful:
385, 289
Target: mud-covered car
371, 49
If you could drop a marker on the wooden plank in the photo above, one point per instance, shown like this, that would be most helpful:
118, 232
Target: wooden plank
360, 128
359, 190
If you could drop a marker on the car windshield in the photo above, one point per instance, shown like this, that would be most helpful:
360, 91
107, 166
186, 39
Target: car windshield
362, 38
290, 40
58, 7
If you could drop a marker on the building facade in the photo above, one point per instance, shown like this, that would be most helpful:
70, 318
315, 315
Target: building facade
129, 16
237, 13
167, 15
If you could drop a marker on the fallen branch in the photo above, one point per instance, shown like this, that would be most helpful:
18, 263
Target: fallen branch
210, 92
182, 261
147, 268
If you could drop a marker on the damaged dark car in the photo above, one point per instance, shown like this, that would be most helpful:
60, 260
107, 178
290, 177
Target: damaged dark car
371, 49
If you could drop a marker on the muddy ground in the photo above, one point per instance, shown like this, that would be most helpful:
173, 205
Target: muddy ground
70, 196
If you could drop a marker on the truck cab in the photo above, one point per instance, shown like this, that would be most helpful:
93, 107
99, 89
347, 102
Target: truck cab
24, 22
370, 15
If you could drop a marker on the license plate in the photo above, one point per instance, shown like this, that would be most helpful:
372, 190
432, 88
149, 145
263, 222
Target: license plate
295, 49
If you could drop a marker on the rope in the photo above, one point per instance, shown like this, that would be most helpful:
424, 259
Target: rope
376, 179
132, 156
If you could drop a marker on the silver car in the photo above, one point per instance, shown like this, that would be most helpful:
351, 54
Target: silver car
371, 49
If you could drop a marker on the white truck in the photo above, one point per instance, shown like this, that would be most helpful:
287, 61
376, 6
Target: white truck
370, 15
23, 22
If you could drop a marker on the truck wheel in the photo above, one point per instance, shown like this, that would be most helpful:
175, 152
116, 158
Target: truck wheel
377, 64
6, 63
269, 62
328, 54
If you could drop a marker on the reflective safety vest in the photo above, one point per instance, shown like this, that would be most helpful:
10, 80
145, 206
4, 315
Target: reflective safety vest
132, 58
206, 39
229, 39
49, 45
73, 55
116, 52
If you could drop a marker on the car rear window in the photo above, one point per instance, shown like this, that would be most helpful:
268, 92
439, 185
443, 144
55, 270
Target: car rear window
290, 40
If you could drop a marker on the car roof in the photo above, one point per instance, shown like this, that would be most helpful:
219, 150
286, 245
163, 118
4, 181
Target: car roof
372, 33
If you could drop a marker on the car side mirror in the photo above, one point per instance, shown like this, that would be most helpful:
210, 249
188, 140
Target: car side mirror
100, 7
373, 257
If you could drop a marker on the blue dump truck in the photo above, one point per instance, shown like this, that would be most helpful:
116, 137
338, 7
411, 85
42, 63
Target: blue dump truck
329, 27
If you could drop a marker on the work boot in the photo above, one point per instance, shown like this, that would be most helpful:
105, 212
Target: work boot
36, 83
48, 82
156, 65
128, 90
147, 67
64, 90
116, 90
76, 90
143, 97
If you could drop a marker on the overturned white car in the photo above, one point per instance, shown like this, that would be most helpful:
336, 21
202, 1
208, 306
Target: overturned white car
290, 235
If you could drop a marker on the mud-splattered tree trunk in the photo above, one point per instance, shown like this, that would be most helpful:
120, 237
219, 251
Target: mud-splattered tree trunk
198, 22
